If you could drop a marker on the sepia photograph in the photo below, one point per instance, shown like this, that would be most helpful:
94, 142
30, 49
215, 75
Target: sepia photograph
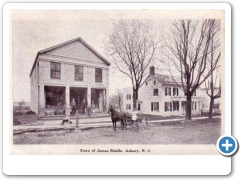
117, 81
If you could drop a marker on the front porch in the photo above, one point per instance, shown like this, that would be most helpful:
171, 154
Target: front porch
65, 100
179, 106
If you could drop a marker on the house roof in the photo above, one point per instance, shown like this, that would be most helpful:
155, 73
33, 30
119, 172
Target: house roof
165, 79
67, 42
215, 88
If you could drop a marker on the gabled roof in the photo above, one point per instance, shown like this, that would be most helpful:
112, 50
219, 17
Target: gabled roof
163, 78
67, 42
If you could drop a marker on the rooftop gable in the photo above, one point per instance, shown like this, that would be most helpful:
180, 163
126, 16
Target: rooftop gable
68, 49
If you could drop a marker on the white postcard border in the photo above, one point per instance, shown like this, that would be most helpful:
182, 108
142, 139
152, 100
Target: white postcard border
113, 164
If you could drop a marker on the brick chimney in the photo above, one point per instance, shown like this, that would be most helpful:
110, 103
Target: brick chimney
152, 70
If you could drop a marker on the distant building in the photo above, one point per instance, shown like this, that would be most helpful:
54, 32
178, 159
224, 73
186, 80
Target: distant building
128, 99
71, 74
159, 95
21, 107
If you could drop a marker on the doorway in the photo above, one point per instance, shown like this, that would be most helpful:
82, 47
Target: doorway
78, 100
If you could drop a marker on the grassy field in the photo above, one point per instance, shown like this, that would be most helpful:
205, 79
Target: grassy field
198, 132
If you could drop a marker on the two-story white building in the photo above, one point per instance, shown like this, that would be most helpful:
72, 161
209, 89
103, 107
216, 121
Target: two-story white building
71, 73
159, 95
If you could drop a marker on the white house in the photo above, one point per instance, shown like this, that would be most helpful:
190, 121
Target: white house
159, 95
70, 73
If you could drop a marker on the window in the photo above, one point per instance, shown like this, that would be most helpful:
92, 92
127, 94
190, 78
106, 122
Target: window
128, 106
98, 75
146, 83
175, 105
155, 92
167, 91
192, 105
128, 96
154, 82
195, 105
168, 106
78, 73
194, 93
155, 106
175, 91
55, 70
139, 107
184, 105
216, 106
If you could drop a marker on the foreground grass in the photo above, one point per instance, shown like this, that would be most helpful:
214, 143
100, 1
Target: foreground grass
189, 133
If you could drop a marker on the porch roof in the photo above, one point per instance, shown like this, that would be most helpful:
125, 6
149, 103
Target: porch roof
183, 98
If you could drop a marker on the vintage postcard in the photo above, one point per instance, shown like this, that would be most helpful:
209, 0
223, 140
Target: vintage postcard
118, 81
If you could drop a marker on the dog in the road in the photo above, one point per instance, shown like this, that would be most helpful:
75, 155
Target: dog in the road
66, 119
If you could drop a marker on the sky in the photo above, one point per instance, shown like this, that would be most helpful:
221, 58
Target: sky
35, 30
31, 35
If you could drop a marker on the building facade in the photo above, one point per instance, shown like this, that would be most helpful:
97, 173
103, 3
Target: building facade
69, 75
127, 99
159, 95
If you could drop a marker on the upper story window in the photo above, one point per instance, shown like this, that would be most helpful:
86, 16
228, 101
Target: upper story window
194, 93
155, 92
175, 91
128, 106
167, 91
146, 83
98, 75
55, 70
78, 73
154, 82
128, 96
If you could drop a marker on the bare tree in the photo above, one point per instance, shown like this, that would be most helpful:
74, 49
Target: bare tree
189, 50
117, 99
133, 45
213, 88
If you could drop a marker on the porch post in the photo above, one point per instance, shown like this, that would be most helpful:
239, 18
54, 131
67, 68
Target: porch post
107, 98
101, 103
89, 95
41, 93
199, 108
41, 103
104, 100
67, 100
180, 107
193, 104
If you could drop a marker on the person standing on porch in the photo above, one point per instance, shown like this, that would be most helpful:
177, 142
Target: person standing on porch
73, 106
83, 106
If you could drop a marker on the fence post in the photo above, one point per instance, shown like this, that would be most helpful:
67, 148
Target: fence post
77, 122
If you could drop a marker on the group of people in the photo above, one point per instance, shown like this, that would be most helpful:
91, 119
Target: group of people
74, 108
